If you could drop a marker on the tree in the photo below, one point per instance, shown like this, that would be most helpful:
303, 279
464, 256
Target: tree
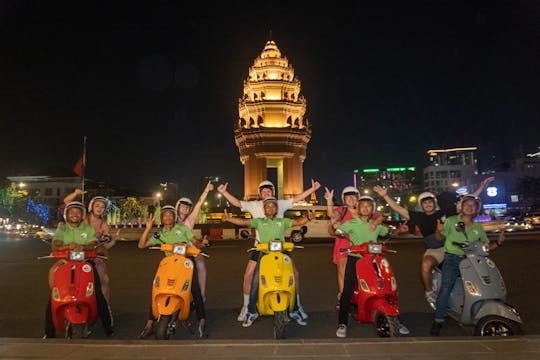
131, 209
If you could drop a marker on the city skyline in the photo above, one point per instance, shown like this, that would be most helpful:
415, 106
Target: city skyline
155, 88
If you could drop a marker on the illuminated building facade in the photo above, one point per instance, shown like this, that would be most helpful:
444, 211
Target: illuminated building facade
451, 170
272, 132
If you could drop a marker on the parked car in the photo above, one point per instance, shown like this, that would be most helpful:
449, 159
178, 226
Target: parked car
532, 218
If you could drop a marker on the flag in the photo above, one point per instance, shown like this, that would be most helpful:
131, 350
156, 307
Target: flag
81, 163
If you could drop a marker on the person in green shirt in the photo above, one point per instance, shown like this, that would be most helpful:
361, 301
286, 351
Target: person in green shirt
459, 228
269, 228
172, 233
75, 234
358, 229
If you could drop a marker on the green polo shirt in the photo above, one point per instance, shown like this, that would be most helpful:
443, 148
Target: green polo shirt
359, 233
474, 232
271, 229
178, 233
82, 234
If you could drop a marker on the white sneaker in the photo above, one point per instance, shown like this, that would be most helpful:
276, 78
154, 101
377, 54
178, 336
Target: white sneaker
242, 316
250, 318
403, 330
341, 331
297, 316
302, 312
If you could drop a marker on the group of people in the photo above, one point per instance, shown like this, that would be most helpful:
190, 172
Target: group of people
356, 217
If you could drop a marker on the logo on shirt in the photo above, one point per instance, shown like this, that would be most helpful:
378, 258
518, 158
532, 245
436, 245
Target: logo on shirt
178, 232
84, 236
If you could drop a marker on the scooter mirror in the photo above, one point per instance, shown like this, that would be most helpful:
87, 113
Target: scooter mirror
303, 229
460, 226
244, 234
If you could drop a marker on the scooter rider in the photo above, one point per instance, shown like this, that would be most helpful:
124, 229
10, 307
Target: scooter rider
269, 227
255, 208
358, 230
342, 214
75, 234
427, 222
172, 233
458, 228
187, 215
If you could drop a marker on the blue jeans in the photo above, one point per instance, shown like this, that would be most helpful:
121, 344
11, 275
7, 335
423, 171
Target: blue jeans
450, 273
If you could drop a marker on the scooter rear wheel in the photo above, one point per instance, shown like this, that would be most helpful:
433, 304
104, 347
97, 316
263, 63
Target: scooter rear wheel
162, 327
280, 323
386, 325
494, 325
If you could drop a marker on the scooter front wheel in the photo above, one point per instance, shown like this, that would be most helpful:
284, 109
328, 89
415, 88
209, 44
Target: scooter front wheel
386, 325
77, 331
280, 323
162, 327
494, 325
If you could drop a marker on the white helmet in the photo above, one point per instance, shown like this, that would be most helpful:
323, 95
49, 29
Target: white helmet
168, 208
270, 198
184, 201
74, 204
472, 197
98, 198
426, 196
267, 185
366, 198
349, 190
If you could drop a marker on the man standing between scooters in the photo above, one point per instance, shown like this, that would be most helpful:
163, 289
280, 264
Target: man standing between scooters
458, 228
77, 235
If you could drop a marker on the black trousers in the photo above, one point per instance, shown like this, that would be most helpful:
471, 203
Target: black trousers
102, 308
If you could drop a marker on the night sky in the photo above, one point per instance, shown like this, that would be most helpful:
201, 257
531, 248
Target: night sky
155, 87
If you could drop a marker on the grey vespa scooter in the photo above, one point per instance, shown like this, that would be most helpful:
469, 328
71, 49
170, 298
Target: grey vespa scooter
479, 296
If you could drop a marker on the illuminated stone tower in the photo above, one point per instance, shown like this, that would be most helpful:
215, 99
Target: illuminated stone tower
272, 131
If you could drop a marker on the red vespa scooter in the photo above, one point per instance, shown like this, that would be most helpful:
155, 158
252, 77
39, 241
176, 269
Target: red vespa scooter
375, 297
73, 298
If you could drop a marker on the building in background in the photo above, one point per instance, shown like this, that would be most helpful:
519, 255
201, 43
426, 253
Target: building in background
451, 170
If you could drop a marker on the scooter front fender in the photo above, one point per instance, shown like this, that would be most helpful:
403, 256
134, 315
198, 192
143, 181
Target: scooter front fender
498, 308
77, 313
168, 304
382, 305
277, 301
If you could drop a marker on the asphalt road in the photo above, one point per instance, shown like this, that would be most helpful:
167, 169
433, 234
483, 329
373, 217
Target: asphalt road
23, 291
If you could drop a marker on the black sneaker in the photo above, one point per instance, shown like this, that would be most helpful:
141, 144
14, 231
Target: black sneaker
435, 328
109, 331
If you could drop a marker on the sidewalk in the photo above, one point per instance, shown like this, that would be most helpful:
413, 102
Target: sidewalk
478, 348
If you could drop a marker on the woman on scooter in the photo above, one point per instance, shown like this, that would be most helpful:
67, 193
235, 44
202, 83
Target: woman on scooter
269, 227
342, 214
458, 228
255, 208
75, 234
187, 215
172, 233
358, 230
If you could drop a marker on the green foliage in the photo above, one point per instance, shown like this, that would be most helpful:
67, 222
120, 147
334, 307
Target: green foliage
131, 208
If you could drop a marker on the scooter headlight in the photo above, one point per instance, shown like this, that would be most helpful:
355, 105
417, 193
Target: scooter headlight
375, 248
275, 246
179, 249
471, 289
76, 255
